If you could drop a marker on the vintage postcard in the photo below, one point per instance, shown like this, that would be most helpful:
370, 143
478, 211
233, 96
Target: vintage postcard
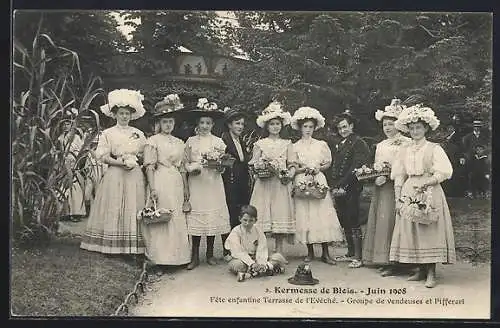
251, 164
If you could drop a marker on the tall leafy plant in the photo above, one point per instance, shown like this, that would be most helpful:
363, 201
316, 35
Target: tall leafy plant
47, 82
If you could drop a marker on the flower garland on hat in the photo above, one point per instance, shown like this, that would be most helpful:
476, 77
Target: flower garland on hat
204, 104
273, 110
170, 103
122, 98
414, 114
393, 110
305, 113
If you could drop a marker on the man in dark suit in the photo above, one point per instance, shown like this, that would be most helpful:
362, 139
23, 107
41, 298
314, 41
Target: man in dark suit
236, 179
469, 144
350, 153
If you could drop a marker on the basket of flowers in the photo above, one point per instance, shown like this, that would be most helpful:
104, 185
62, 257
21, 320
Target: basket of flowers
153, 214
212, 159
310, 188
418, 208
377, 170
263, 169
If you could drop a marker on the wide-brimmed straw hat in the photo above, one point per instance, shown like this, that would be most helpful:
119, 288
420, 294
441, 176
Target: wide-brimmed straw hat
272, 111
414, 114
167, 107
393, 110
307, 113
124, 98
303, 276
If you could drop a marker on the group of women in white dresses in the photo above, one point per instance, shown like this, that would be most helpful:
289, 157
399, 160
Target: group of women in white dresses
176, 178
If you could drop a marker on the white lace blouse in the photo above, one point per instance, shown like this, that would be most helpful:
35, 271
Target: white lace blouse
279, 150
119, 140
312, 153
166, 150
419, 159
388, 149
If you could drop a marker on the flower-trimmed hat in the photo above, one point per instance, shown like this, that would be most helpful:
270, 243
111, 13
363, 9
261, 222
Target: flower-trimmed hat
305, 113
393, 110
122, 98
168, 106
273, 110
414, 114
206, 108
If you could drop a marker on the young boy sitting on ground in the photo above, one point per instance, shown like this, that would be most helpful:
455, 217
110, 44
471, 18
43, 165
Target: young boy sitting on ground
248, 246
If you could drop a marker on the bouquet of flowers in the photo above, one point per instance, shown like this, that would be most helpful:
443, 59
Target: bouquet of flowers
130, 160
216, 159
129, 149
419, 208
153, 214
310, 188
377, 170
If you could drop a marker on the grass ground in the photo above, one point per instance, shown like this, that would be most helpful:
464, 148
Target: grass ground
62, 280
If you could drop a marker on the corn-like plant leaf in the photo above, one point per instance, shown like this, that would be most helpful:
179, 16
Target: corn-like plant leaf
33, 130
49, 39
19, 47
42, 63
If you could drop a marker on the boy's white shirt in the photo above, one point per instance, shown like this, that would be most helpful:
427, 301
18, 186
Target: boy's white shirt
238, 251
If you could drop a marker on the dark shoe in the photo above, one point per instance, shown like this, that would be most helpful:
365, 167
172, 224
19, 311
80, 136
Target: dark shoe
212, 261
193, 264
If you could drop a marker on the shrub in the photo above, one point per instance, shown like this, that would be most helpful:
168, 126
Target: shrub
47, 82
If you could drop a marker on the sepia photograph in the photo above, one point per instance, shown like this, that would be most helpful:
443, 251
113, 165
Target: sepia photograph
251, 164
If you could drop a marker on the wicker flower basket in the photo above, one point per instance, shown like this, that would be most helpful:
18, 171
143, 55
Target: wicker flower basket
310, 192
263, 173
373, 174
211, 164
151, 215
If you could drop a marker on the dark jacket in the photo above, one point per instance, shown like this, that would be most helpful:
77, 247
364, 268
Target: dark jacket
236, 179
470, 141
346, 157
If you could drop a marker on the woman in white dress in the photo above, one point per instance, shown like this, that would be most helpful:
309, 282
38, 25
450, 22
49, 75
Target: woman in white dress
112, 227
382, 215
316, 219
209, 214
166, 243
270, 196
74, 195
423, 233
